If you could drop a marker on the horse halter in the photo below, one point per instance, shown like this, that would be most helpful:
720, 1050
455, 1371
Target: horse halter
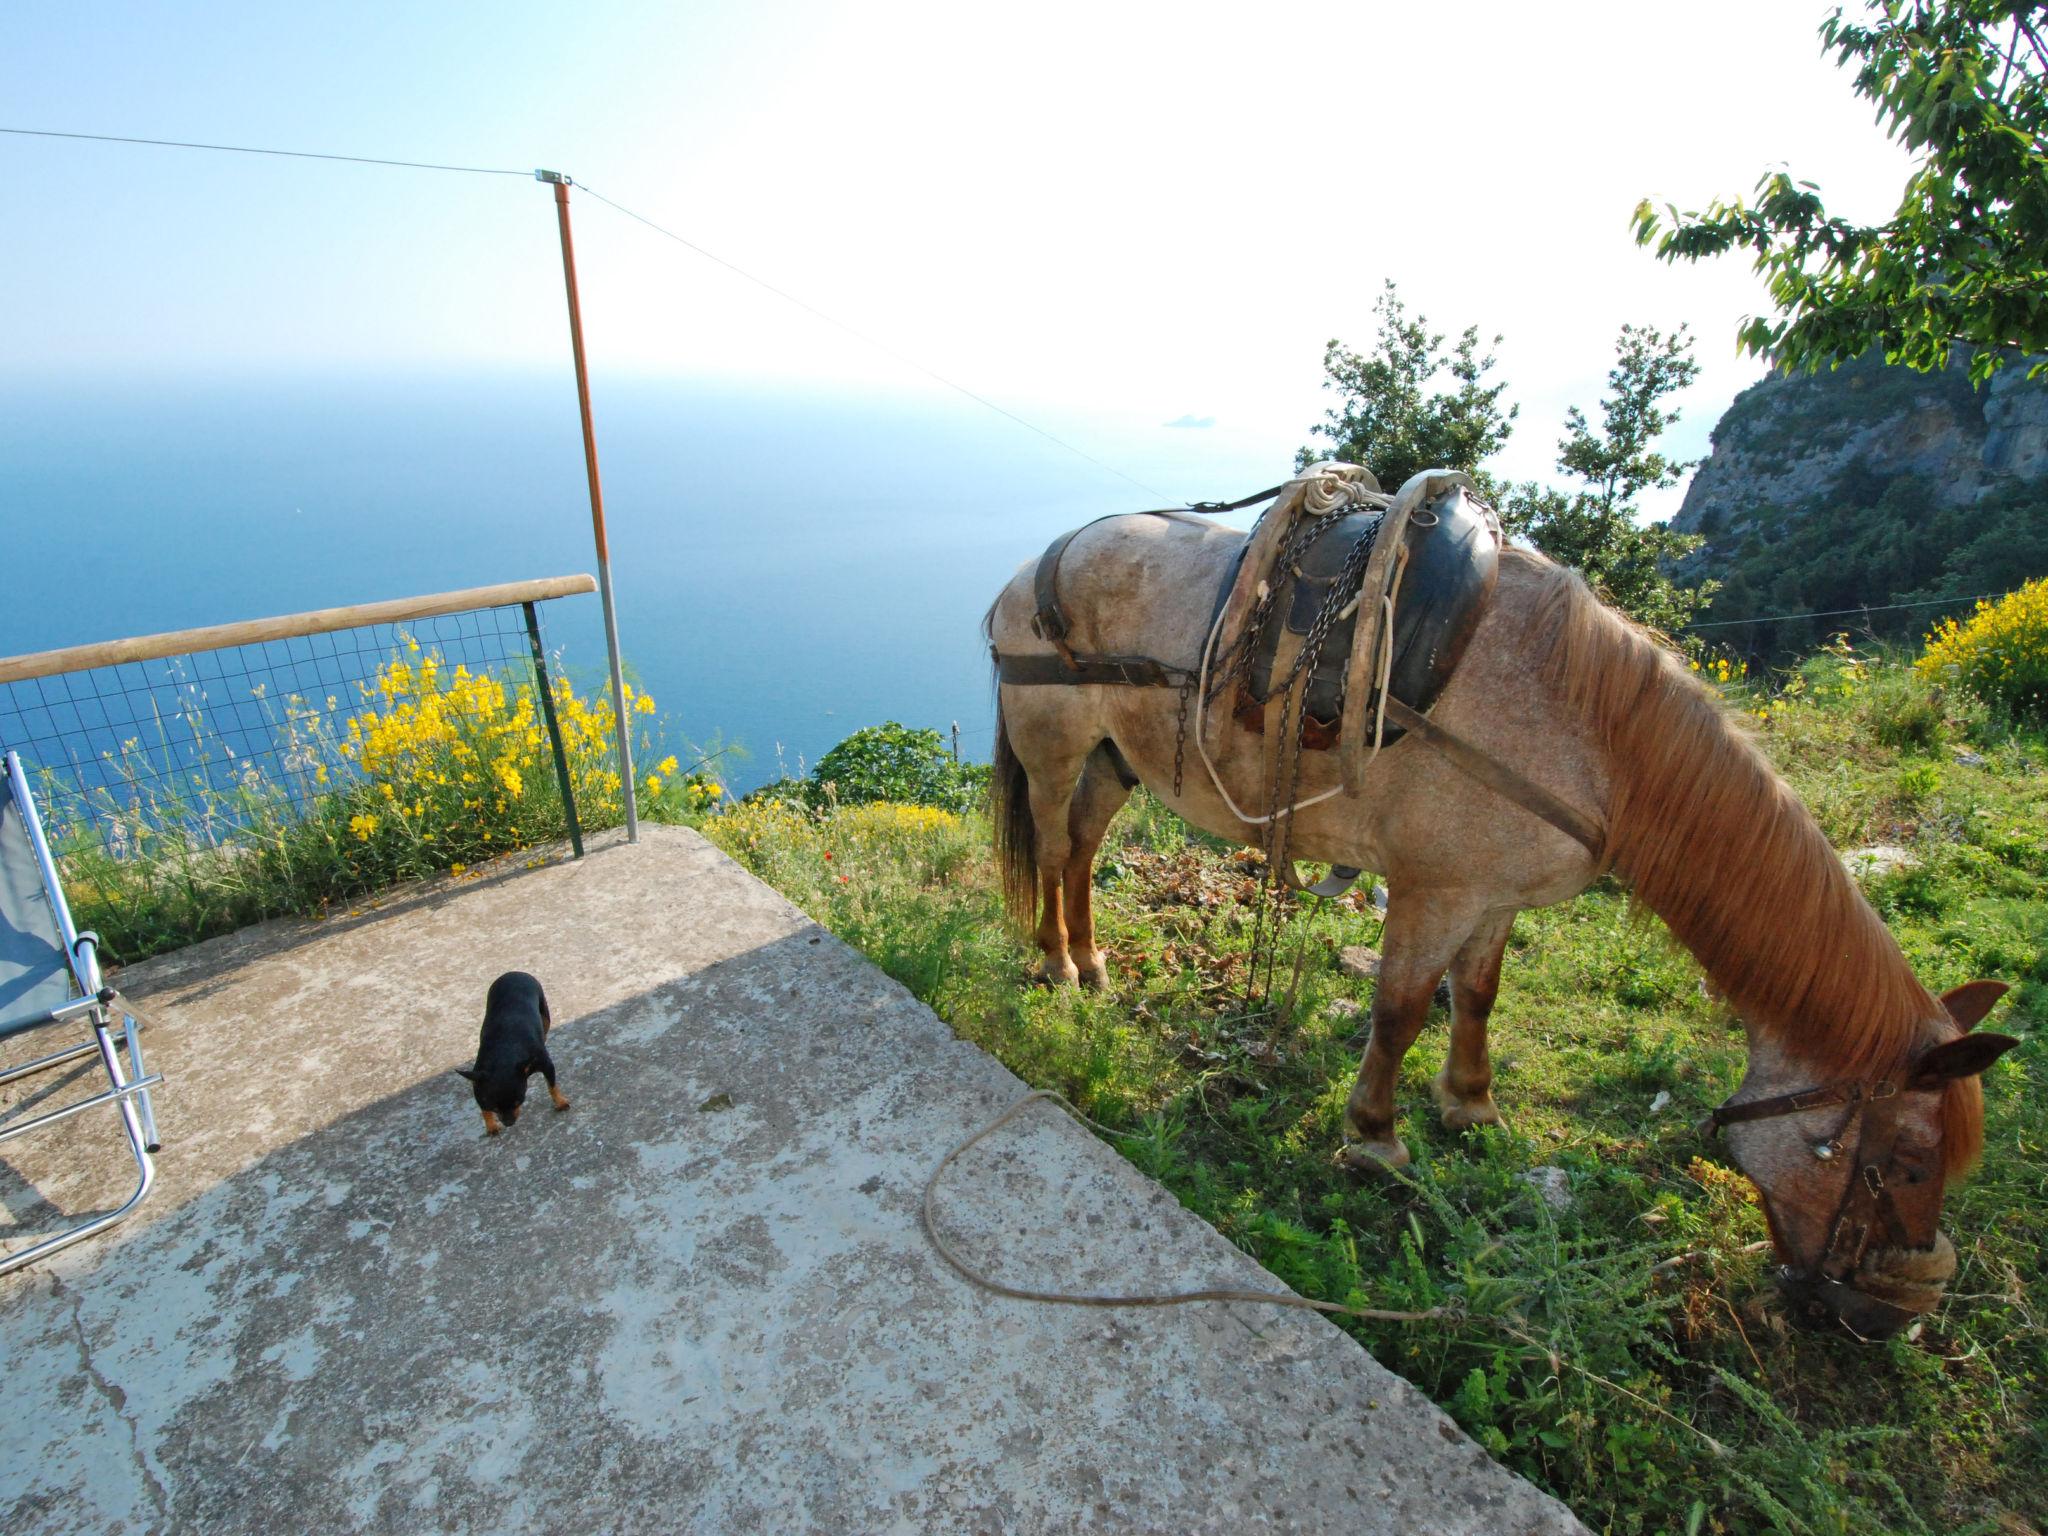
1868, 1209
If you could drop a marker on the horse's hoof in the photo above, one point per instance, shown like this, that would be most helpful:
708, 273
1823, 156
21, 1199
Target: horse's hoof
1095, 974
1373, 1156
1063, 974
1462, 1114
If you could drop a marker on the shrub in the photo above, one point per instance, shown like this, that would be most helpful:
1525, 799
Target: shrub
1903, 711
2000, 653
887, 762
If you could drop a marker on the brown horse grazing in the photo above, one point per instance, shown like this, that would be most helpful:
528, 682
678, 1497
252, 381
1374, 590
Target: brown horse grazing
1860, 1098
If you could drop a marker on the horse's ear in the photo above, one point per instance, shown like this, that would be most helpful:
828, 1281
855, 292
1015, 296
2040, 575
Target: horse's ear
1964, 1056
465, 1072
1968, 1003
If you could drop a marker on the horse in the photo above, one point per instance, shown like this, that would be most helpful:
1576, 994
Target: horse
1860, 1101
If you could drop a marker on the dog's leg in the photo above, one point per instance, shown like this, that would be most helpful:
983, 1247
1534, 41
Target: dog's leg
491, 1126
547, 1070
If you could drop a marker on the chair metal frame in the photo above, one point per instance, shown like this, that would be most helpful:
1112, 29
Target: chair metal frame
99, 1005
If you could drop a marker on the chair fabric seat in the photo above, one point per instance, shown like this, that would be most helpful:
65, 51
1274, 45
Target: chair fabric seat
35, 975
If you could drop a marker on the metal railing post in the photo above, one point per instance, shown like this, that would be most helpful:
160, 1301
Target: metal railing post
547, 710
561, 184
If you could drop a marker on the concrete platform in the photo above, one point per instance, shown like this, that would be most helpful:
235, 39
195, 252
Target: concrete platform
697, 1301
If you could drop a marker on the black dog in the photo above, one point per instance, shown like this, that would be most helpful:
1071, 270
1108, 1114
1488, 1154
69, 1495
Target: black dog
512, 1048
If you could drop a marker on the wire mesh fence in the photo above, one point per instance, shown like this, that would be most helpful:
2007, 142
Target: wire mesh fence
215, 745
221, 777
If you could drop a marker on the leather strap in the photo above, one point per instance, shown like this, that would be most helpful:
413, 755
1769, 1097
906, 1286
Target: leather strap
1129, 671
1499, 778
1211, 508
1149, 672
1788, 1104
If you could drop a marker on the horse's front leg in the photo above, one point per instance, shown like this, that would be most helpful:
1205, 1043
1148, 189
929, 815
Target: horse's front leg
1422, 933
1464, 1089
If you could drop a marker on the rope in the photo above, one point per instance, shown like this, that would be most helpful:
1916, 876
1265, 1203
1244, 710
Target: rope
1142, 1299
245, 149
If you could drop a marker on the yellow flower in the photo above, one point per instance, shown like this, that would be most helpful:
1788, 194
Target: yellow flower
362, 826
666, 765
643, 705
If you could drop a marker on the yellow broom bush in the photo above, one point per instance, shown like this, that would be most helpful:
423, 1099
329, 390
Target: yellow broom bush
2000, 653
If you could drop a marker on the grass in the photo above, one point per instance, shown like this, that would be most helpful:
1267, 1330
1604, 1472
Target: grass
1625, 1353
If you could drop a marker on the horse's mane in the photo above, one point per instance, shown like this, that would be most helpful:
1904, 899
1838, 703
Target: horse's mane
1715, 843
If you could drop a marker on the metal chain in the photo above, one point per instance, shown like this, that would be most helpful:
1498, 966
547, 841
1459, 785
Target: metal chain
1180, 733
1272, 900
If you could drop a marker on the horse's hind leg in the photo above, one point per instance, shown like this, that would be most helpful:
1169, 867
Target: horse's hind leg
1101, 795
1464, 1089
1054, 779
1422, 934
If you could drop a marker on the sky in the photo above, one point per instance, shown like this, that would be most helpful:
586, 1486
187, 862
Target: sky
1097, 216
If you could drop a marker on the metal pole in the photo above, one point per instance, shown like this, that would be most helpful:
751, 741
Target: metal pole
956, 743
561, 184
547, 709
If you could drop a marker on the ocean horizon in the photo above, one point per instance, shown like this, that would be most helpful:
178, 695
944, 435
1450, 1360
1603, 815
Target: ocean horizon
790, 564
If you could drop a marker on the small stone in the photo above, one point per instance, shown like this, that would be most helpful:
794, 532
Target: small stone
1379, 898
1660, 1103
1969, 759
1360, 960
1878, 859
1345, 1008
1552, 1185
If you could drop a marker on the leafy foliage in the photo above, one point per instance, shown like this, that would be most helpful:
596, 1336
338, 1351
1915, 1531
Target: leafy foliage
1963, 84
887, 762
1870, 540
1596, 529
1394, 419
2000, 654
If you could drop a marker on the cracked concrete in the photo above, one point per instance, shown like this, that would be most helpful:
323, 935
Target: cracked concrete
699, 1300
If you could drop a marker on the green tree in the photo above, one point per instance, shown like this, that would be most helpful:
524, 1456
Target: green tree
1594, 528
1964, 259
1393, 414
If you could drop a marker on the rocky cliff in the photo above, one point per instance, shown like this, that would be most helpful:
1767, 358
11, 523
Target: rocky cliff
1789, 440
1868, 486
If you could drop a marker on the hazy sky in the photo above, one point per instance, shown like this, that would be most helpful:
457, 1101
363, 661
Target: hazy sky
1099, 213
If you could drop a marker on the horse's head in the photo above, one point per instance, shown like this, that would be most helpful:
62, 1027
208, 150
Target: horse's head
1852, 1171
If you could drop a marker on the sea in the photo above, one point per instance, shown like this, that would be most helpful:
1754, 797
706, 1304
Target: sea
792, 562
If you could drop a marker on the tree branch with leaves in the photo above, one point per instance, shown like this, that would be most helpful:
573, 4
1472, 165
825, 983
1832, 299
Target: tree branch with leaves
1964, 259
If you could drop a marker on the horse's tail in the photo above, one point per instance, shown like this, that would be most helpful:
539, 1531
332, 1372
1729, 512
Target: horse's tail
1009, 805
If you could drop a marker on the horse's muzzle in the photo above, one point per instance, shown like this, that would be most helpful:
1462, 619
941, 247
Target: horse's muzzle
1888, 1291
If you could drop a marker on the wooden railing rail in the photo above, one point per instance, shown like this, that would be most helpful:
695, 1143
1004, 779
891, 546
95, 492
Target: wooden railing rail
290, 626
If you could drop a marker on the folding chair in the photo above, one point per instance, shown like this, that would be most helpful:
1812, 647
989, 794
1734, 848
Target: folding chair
50, 975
